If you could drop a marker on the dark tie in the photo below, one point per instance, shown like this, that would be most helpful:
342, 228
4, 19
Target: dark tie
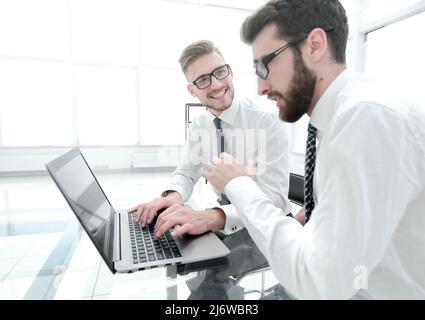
310, 161
223, 200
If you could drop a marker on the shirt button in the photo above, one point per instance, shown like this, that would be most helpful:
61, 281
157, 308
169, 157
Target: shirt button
234, 228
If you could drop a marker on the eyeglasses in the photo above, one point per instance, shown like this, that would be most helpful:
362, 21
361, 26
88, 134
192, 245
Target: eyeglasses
219, 73
261, 65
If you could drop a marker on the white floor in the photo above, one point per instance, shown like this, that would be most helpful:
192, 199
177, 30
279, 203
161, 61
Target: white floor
30, 210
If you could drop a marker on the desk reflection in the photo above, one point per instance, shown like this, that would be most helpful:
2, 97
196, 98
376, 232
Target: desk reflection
219, 279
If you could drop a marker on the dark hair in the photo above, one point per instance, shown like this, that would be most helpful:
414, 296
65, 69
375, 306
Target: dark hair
196, 50
295, 17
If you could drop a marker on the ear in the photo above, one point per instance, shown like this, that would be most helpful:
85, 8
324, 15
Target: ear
317, 44
191, 90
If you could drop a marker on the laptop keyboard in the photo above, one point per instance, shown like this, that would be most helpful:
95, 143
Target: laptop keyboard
145, 248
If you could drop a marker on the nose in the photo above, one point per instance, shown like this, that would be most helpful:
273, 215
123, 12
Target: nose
263, 87
215, 83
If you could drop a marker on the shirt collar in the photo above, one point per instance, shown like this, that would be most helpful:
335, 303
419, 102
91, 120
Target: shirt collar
326, 106
228, 115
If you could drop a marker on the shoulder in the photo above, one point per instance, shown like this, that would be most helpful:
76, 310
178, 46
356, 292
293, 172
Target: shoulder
372, 100
255, 110
368, 113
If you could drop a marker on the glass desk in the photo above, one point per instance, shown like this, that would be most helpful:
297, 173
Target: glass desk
44, 254
74, 270
243, 274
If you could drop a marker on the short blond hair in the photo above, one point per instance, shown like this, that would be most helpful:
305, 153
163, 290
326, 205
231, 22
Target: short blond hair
196, 50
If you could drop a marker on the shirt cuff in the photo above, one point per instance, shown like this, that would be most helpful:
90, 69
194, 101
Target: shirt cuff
233, 222
177, 188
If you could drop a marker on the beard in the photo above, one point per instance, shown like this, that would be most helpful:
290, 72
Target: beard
299, 96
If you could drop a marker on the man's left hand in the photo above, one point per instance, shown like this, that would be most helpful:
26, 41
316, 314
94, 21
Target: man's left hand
190, 221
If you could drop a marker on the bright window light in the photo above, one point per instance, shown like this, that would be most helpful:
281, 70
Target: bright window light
395, 54
166, 28
76, 71
163, 96
31, 28
35, 103
378, 9
107, 105
105, 32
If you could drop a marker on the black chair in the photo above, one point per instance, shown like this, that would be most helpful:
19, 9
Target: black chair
296, 189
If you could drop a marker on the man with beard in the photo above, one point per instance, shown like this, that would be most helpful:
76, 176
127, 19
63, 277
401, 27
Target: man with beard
365, 189
243, 130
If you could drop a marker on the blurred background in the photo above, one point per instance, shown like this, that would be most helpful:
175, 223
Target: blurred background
103, 74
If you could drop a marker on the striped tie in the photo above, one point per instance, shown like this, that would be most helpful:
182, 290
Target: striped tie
310, 161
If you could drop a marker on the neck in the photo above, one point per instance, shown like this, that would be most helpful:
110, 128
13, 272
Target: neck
324, 80
215, 112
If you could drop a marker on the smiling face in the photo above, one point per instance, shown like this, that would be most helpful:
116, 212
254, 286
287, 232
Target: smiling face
290, 83
218, 96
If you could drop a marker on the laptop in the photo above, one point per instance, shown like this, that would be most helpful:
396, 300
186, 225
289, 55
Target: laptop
122, 243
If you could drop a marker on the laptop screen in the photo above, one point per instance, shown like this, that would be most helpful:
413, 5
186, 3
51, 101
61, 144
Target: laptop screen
86, 199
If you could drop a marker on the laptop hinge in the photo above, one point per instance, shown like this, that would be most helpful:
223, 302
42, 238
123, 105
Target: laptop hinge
117, 237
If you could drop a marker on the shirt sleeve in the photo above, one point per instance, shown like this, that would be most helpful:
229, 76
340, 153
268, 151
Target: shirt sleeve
364, 183
272, 175
272, 161
233, 221
189, 169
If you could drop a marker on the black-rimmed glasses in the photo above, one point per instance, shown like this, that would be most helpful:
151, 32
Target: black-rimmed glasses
219, 73
261, 65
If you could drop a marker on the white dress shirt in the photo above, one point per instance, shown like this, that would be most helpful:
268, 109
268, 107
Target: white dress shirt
366, 235
250, 134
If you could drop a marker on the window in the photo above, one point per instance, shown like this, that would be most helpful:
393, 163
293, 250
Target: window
163, 95
72, 72
381, 9
105, 32
35, 103
37, 29
35, 81
395, 54
107, 105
